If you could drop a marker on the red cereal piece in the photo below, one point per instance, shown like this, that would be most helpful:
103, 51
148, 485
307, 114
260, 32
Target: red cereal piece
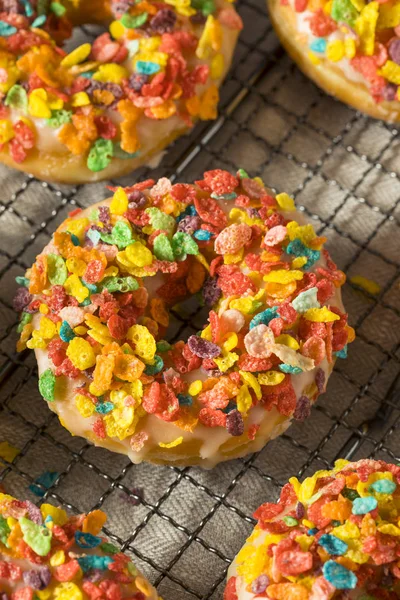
215, 326
99, 428
17, 151
252, 364
210, 212
292, 562
287, 495
117, 326
105, 127
321, 24
183, 193
230, 589
220, 182
212, 418
315, 512
24, 135
94, 272
252, 432
268, 511
57, 351
67, 572
161, 401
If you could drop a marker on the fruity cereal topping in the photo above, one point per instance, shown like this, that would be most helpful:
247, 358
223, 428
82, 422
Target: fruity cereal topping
47, 555
361, 38
160, 61
96, 304
334, 536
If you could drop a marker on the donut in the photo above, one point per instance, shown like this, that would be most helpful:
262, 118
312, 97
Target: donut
350, 49
106, 108
96, 309
47, 555
334, 536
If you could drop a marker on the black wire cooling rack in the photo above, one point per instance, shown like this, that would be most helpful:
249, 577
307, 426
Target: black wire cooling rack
184, 526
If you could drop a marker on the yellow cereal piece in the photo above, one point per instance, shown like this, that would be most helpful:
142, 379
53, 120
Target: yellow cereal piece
117, 30
346, 532
245, 305
119, 203
367, 284
335, 50
284, 277
321, 315
299, 262
285, 202
44, 594
306, 489
244, 400
111, 73
81, 354
227, 361
389, 529
254, 564
139, 255
287, 340
76, 266
80, 99
172, 444
305, 233
183, 7
389, 15
206, 334
217, 66
143, 585
58, 515
150, 44
271, 378
230, 342
365, 27
160, 58
195, 387
305, 541
111, 272
74, 287
121, 423
78, 227
43, 309
57, 559
38, 104
67, 591
314, 58
6, 131
231, 259
84, 405
252, 381
238, 215
47, 329
145, 344
349, 48
76, 56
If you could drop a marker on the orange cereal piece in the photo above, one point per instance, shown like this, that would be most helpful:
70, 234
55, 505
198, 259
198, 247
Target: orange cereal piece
287, 591
94, 522
128, 367
129, 138
38, 276
339, 510
196, 277
159, 312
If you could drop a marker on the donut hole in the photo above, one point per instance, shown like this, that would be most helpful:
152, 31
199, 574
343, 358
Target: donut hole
187, 318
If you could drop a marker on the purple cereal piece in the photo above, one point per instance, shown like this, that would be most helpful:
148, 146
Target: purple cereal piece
303, 408
4, 596
189, 224
21, 299
389, 91
259, 585
136, 199
34, 512
37, 579
300, 510
94, 575
234, 423
320, 380
104, 215
203, 348
211, 291
394, 50
164, 21
137, 81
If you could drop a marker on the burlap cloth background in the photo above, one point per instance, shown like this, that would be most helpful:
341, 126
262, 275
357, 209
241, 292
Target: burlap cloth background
344, 171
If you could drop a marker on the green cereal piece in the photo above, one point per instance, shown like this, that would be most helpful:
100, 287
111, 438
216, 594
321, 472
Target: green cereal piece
59, 117
344, 11
132, 569
109, 548
4, 530
243, 174
57, 271
36, 536
119, 153
100, 155
290, 521
182, 244
159, 220
17, 98
58, 9
207, 7
121, 235
47, 385
163, 346
25, 319
120, 284
133, 22
23, 281
162, 248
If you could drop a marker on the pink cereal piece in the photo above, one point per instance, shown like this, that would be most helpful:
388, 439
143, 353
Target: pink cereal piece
73, 315
3, 76
314, 348
260, 341
230, 18
276, 235
233, 238
138, 440
104, 49
161, 188
110, 251
148, 101
232, 320
321, 589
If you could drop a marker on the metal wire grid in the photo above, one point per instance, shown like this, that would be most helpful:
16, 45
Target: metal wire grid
184, 527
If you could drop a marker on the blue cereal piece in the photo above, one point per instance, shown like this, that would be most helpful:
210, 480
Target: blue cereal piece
146, 67
332, 544
264, 318
75, 239
297, 248
341, 353
306, 300
202, 235
362, 506
289, 369
156, 367
103, 408
87, 540
66, 332
340, 577
87, 563
185, 400
383, 486
318, 45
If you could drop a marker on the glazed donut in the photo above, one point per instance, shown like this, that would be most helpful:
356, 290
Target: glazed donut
46, 555
96, 311
350, 49
336, 535
107, 108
